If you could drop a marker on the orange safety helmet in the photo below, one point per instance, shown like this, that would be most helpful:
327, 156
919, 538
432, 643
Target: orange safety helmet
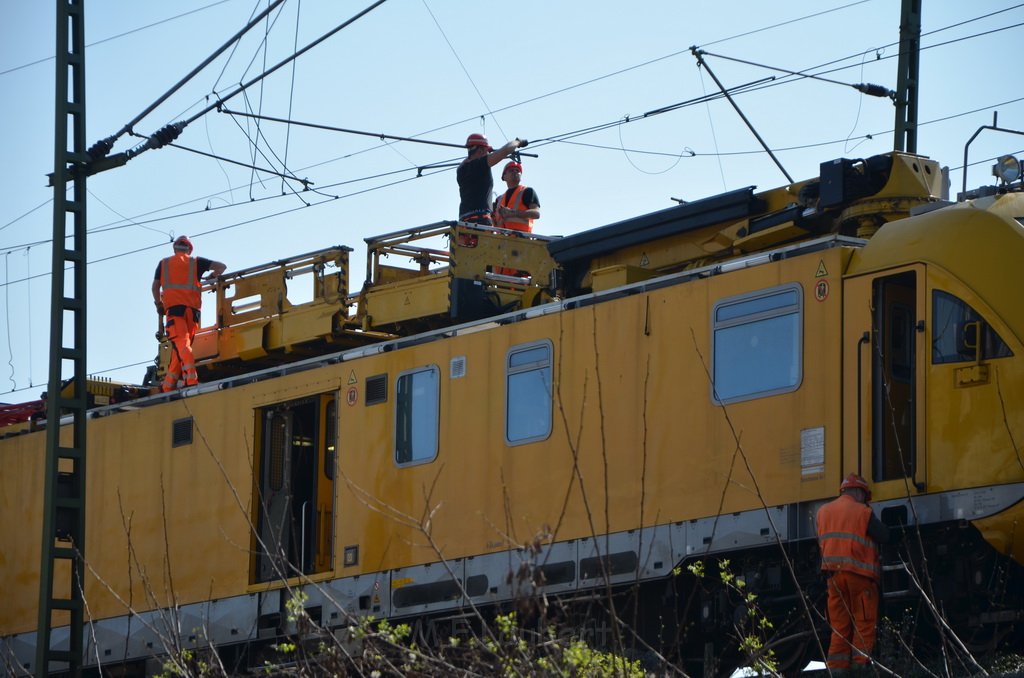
855, 481
183, 243
474, 140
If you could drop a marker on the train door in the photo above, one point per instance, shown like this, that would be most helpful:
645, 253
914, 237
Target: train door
885, 349
294, 488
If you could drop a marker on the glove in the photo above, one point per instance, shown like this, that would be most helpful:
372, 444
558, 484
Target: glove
523, 143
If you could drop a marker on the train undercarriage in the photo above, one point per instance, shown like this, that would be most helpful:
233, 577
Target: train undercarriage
946, 594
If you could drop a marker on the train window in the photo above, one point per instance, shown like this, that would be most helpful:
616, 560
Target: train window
528, 394
901, 342
416, 415
954, 332
330, 439
757, 344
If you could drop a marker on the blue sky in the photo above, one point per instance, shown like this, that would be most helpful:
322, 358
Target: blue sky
441, 69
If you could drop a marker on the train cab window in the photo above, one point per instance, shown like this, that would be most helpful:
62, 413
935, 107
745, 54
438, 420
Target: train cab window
528, 394
757, 345
294, 501
416, 415
955, 332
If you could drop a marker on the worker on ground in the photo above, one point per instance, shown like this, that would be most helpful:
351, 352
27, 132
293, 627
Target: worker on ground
177, 294
848, 536
475, 180
518, 206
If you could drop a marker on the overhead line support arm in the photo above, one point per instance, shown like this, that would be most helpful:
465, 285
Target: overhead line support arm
699, 54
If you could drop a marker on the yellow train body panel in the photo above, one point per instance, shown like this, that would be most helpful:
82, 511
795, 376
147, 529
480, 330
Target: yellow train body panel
152, 514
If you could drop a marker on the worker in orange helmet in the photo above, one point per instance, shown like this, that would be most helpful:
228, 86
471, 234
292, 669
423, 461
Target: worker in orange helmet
515, 209
475, 180
177, 288
848, 535
518, 206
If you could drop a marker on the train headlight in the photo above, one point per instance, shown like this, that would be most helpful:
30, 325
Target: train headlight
1007, 168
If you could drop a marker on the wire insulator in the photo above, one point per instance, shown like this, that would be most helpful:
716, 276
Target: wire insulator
101, 148
874, 90
166, 134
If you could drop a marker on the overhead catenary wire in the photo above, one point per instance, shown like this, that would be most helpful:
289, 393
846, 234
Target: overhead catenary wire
679, 53
856, 118
284, 62
254, 140
562, 138
891, 44
463, 66
139, 221
332, 128
711, 124
131, 222
254, 143
170, 132
291, 88
352, 194
566, 137
284, 174
102, 147
306, 183
257, 150
864, 88
121, 35
25, 214
780, 24
569, 141
611, 124
818, 144
923, 48
7, 318
685, 153
246, 222
106, 370
770, 82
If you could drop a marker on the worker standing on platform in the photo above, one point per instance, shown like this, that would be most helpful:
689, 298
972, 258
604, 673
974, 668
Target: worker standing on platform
848, 535
475, 180
517, 207
180, 277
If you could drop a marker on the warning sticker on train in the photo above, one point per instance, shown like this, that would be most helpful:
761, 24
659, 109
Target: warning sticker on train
821, 290
352, 396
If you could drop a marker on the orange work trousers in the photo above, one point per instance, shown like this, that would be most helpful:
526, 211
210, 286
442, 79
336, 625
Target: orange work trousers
853, 615
181, 330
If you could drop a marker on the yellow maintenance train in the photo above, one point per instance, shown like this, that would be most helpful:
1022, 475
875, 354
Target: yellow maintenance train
688, 385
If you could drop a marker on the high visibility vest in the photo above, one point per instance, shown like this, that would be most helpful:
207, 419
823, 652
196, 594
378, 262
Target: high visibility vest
515, 202
843, 538
180, 282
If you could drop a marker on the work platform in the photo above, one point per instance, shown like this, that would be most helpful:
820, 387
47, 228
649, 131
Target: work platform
417, 279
